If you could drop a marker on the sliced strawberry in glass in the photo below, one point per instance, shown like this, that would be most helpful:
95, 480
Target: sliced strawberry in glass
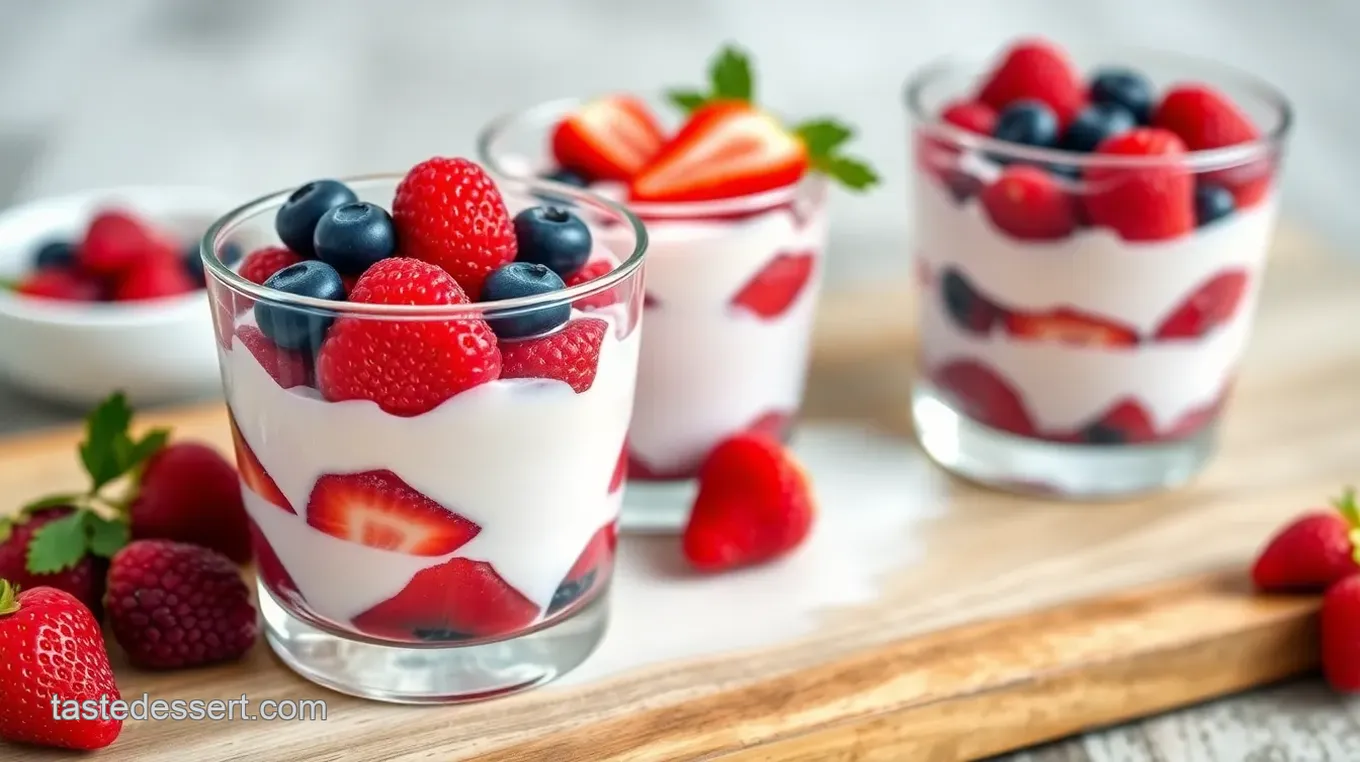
378, 509
773, 290
456, 600
591, 567
1212, 304
985, 396
607, 139
252, 471
1068, 326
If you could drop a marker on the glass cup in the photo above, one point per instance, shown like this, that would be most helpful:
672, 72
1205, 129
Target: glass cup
732, 288
1084, 314
456, 554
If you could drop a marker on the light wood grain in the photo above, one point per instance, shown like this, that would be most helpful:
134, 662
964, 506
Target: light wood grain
952, 661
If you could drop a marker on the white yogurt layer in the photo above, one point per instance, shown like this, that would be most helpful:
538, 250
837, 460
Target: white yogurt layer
1095, 272
528, 460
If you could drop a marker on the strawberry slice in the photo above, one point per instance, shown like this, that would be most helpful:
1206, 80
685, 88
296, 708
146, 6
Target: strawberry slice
1210, 306
591, 568
572, 355
456, 600
620, 470
607, 139
985, 396
726, 149
378, 509
256, 479
773, 290
288, 368
270, 568
1068, 326
1125, 423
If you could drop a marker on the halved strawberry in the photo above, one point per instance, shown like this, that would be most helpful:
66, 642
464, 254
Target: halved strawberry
286, 367
591, 568
1125, 423
1211, 305
608, 139
778, 284
459, 599
726, 149
378, 509
252, 471
1068, 326
984, 396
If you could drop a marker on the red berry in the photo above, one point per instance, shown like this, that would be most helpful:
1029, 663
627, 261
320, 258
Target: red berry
1125, 423
448, 212
1035, 69
458, 599
984, 396
262, 263
591, 570
1204, 119
85, 580
57, 283
52, 649
1212, 304
115, 242
609, 138
287, 367
190, 493
571, 355
974, 116
1145, 203
153, 279
1340, 625
773, 290
596, 269
271, 569
620, 470
174, 605
256, 479
408, 367
378, 509
1027, 203
1311, 552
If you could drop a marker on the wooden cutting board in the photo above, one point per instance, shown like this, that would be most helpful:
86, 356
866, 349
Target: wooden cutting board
1012, 621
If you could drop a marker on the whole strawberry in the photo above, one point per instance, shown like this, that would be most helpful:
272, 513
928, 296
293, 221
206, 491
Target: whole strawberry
190, 493
173, 605
84, 579
51, 646
1311, 552
1341, 635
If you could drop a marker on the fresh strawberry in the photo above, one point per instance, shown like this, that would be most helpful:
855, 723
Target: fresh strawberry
52, 649
973, 116
1027, 203
448, 212
456, 600
84, 578
256, 479
615, 481
607, 139
174, 605
1068, 326
190, 493
592, 568
1035, 69
1145, 203
271, 569
754, 505
596, 269
773, 290
985, 396
1125, 423
1211, 305
407, 367
287, 367
262, 263
1340, 629
1204, 119
116, 242
59, 283
153, 278
571, 355
1311, 552
378, 509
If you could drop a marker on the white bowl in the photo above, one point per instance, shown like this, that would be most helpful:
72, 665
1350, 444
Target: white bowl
154, 351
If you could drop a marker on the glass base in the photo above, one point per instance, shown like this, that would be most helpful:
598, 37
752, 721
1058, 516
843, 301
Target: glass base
434, 675
657, 507
1028, 466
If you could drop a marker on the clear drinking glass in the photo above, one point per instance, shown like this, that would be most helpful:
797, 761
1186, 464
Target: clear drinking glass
732, 288
1085, 349
511, 488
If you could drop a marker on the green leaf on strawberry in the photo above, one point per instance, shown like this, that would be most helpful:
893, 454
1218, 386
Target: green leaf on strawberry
730, 75
9, 598
106, 536
59, 544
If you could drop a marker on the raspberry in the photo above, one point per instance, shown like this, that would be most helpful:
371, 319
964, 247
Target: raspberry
1035, 69
154, 279
449, 213
1205, 119
571, 355
115, 242
55, 283
262, 263
406, 366
1028, 203
970, 115
85, 580
177, 605
190, 493
1152, 203
286, 367
597, 269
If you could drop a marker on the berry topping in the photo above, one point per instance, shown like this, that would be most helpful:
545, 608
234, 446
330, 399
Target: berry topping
1144, 203
1212, 202
1068, 326
519, 279
406, 366
1125, 423
597, 269
291, 327
572, 355
1094, 124
607, 139
984, 396
1027, 203
754, 505
1211, 305
567, 177
378, 509
154, 278
55, 254
287, 367
262, 263
115, 242
1205, 119
456, 600
1038, 70
774, 289
969, 310
296, 220
554, 237
174, 605
1126, 89
254, 476
1312, 552
353, 236
973, 116
84, 579
190, 493
591, 568
1028, 122
449, 213
1340, 628
59, 283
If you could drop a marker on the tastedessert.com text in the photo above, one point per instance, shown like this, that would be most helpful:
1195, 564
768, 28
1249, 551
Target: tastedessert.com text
241, 709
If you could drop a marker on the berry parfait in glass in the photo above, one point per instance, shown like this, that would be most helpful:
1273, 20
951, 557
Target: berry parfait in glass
1091, 245
428, 424
735, 205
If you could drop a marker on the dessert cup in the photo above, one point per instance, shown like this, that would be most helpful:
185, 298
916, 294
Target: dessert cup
491, 574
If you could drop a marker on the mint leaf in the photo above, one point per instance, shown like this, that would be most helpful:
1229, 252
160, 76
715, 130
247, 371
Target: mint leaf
106, 536
58, 545
9, 284
106, 440
731, 75
823, 136
148, 445
852, 173
686, 100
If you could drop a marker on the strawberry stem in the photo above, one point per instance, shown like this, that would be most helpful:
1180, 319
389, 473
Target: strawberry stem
1347, 507
9, 598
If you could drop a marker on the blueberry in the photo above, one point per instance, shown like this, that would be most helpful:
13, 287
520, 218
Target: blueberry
439, 635
570, 592
525, 279
55, 254
552, 236
1124, 87
296, 220
352, 236
1095, 123
193, 264
230, 252
1100, 434
567, 177
1212, 202
1028, 122
300, 327
967, 307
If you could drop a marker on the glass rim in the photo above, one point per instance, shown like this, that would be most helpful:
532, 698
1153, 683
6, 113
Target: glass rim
1201, 160
547, 112
253, 208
